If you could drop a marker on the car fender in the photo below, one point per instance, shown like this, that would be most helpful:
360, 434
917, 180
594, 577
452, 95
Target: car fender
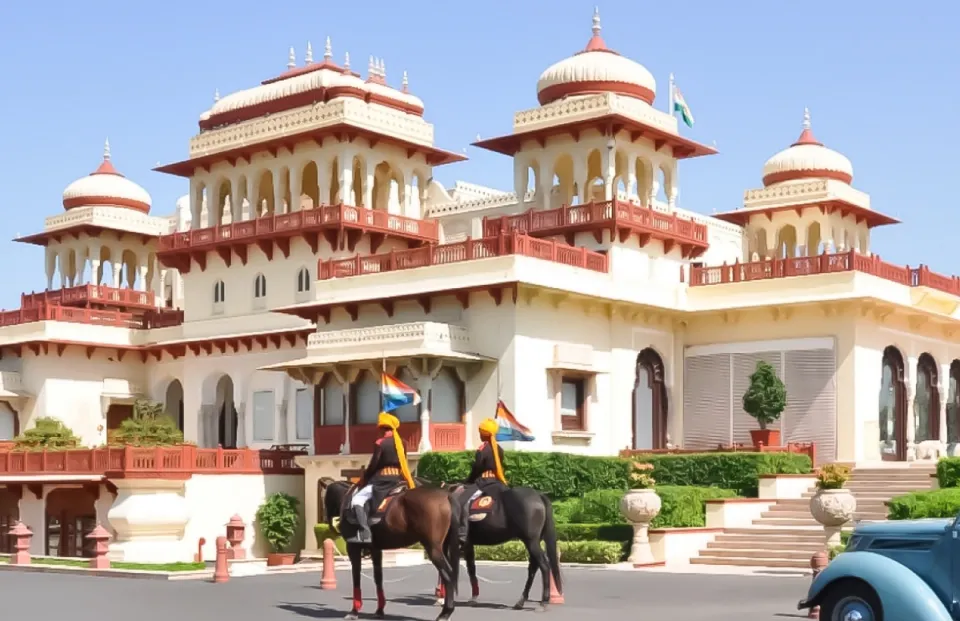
902, 593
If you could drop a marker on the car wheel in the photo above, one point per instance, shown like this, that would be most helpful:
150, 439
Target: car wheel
851, 600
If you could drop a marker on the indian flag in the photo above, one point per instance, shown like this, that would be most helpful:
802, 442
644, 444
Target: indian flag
680, 105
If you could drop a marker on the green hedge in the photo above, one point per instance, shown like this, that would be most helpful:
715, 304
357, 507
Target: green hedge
558, 475
734, 471
599, 552
681, 507
948, 472
323, 532
594, 532
938, 503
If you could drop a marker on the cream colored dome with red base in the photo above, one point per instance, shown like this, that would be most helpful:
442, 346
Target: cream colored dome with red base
105, 187
596, 69
807, 158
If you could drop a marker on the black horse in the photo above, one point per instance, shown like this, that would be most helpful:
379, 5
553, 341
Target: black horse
425, 514
514, 513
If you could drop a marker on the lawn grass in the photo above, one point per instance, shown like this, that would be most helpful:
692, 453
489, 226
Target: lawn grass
70, 562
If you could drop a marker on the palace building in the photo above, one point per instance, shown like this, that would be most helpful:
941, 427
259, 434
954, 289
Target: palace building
314, 248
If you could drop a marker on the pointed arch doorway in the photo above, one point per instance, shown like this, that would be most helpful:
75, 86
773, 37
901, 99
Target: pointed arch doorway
649, 402
893, 406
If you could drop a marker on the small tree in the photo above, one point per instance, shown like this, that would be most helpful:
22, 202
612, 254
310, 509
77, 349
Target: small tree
766, 397
48, 433
278, 518
149, 426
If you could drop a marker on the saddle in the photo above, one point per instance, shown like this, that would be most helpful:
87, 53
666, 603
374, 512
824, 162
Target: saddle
487, 504
383, 503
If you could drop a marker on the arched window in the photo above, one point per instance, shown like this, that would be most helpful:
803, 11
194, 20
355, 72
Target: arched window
446, 398
259, 286
926, 405
219, 292
893, 406
303, 280
649, 402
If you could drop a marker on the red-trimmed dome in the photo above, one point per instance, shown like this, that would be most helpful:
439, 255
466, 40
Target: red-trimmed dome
807, 158
597, 69
105, 187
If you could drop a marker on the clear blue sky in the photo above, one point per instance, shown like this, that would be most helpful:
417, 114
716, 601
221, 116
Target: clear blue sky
881, 83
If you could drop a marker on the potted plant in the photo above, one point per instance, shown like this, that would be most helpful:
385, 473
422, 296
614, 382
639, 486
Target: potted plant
149, 426
640, 505
832, 505
278, 518
48, 433
765, 400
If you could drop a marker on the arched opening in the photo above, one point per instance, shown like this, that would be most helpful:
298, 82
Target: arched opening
418, 184
9, 514
219, 292
564, 182
9, 422
786, 242
926, 403
129, 275
70, 516
303, 280
387, 189
649, 402
104, 275
447, 403
759, 245
334, 171
259, 286
265, 204
814, 237
644, 172
219, 214
173, 402
594, 187
310, 186
226, 414
953, 404
666, 182
359, 178
893, 407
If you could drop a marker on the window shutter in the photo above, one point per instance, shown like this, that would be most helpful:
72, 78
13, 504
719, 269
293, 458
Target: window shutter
811, 414
706, 401
743, 366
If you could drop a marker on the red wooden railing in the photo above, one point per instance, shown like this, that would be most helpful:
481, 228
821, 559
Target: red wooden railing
824, 264
89, 294
443, 437
801, 448
52, 312
499, 245
300, 221
616, 212
159, 462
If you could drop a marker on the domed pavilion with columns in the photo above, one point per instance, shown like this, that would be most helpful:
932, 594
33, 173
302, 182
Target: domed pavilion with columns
314, 248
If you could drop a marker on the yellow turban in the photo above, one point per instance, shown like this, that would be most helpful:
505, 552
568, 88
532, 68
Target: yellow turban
489, 428
392, 423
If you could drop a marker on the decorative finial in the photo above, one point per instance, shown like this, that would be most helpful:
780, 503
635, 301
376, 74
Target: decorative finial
293, 59
327, 50
346, 60
806, 118
106, 149
216, 95
371, 68
383, 69
596, 21
406, 83
308, 59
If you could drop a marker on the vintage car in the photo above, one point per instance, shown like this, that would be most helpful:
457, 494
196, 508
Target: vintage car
895, 570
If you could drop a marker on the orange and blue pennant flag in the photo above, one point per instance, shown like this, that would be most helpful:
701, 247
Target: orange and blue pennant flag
395, 394
510, 428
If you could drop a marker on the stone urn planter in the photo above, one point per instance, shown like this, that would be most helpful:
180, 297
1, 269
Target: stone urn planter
639, 507
833, 508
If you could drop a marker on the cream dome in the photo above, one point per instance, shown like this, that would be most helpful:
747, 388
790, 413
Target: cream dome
596, 69
105, 186
807, 158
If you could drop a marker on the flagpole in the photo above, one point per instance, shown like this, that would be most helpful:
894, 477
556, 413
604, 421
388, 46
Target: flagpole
383, 371
670, 99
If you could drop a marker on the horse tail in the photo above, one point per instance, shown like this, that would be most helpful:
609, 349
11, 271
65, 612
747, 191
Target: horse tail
549, 538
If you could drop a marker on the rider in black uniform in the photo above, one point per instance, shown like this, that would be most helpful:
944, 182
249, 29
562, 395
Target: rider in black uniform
487, 473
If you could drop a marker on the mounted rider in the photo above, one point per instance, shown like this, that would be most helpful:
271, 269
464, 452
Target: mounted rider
486, 475
387, 469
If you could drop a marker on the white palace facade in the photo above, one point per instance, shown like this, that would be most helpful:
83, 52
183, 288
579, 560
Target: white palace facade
314, 247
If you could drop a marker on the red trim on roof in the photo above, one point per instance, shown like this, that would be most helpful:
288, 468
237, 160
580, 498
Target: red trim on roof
862, 214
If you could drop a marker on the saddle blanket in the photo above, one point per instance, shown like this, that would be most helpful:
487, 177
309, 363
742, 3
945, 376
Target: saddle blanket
481, 507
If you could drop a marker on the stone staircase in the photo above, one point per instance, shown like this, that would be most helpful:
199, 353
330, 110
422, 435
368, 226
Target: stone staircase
786, 535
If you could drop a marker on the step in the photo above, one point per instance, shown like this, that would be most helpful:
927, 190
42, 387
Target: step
879, 495
799, 515
808, 521
751, 562
764, 543
772, 535
892, 488
759, 552
804, 530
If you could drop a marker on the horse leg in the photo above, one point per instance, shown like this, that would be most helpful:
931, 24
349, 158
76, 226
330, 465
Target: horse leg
532, 568
435, 554
354, 552
539, 557
470, 555
439, 592
376, 556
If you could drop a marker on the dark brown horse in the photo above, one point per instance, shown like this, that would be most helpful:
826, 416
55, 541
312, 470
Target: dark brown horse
424, 515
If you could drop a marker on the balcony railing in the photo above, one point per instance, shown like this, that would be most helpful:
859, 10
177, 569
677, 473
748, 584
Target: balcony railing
300, 222
824, 264
98, 317
159, 462
606, 213
502, 244
443, 437
85, 295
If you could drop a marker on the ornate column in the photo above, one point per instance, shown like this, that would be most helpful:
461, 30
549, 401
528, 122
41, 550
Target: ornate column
520, 178
911, 381
323, 182
545, 187
654, 190
369, 181
345, 174
425, 375
278, 187
608, 164
296, 187
51, 265
236, 199
346, 377
62, 266
252, 209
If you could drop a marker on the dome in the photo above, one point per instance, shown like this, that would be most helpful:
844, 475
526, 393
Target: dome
807, 158
106, 187
596, 69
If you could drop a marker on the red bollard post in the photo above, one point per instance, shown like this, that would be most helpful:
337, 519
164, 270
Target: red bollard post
100, 537
328, 579
21, 545
817, 562
235, 531
221, 573
198, 557
555, 596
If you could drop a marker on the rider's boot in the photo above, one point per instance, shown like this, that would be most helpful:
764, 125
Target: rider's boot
363, 525
463, 528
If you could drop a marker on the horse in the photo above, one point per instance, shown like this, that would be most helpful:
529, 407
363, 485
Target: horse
523, 513
425, 514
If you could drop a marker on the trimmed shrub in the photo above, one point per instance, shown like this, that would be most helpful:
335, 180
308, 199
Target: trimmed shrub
938, 503
149, 426
598, 552
681, 507
595, 532
734, 471
558, 475
48, 433
948, 472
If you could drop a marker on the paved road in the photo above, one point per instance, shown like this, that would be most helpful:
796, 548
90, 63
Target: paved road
614, 594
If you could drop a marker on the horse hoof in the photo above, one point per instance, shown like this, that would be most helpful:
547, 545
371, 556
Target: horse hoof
439, 602
519, 605
473, 600
352, 616
541, 608
379, 614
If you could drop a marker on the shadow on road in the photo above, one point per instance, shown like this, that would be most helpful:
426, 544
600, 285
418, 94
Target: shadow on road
428, 600
319, 611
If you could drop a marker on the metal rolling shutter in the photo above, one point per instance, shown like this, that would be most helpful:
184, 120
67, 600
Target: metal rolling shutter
706, 401
811, 414
743, 366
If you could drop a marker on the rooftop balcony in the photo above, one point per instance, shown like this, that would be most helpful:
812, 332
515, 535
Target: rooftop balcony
496, 245
335, 223
329, 439
89, 296
618, 216
824, 264
155, 318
